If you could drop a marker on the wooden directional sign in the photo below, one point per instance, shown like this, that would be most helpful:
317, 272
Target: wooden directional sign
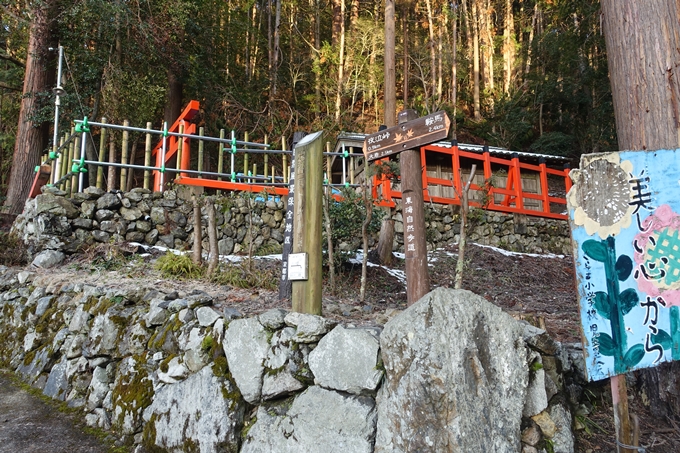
408, 135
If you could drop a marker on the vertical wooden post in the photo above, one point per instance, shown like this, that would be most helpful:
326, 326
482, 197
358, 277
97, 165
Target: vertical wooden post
307, 219
65, 158
284, 166
201, 131
180, 146
124, 158
111, 180
285, 286
266, 160
220, 158
245, 158
102, 155
147, 158
413, 211
624, 431
74, 152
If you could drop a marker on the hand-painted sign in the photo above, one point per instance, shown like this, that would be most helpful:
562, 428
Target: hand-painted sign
408, 135
625, 223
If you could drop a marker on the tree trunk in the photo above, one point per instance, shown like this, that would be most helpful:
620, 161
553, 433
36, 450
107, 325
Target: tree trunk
475, 61
197, 257
433, 57
390, 76
405, 86
454, 65
341, 61
212, 236
32, 137
642, 41
368, 204
173, 104
385, 242
508, 49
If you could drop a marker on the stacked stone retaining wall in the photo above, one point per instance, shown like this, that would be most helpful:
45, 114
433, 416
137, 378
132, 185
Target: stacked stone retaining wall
52, 221
176, 371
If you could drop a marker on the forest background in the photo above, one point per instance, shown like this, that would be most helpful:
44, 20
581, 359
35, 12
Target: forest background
526, 75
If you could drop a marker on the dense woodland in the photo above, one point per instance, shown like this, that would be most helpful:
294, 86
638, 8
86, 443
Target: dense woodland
527, 75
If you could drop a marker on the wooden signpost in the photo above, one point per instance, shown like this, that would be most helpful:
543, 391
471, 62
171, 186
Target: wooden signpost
405, 138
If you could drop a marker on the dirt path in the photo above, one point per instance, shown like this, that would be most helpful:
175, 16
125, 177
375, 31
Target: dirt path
28, 425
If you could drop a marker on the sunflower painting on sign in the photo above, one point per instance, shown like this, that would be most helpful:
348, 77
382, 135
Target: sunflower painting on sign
624, 212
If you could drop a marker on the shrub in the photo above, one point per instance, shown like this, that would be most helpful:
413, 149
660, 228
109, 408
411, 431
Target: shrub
181, 266
12, 250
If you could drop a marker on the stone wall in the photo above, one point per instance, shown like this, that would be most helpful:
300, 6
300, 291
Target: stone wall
51, 221
169, 371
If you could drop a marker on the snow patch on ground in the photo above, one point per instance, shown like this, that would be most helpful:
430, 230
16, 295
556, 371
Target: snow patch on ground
396, 273
509, 253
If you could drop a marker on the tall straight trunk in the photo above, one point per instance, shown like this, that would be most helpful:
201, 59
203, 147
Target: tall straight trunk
32, 137
247, 49
531, 38
315, 55
406, 70
270, 46
475, 61
643, 43
643, 50
508, 48
354, 14
454, 64
390, 76
338, 18
431, 46
341, 62
489, 48
440, 60
275, 51
173, 103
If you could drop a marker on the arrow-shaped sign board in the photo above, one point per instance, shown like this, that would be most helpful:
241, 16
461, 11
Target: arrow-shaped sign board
408, 135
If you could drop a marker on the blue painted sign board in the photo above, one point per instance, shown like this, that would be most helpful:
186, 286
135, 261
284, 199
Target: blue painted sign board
624, 211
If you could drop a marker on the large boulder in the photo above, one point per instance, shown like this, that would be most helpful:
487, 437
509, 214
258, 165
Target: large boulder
318, 420
347, 360
202, 413
456, 377
245, 346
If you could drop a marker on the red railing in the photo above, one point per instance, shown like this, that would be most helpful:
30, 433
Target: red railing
512, 198
509, 196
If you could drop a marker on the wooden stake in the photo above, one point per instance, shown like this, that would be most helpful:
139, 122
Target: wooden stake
624, 431
463, 226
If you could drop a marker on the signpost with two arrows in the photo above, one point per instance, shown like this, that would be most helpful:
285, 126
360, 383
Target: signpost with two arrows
406, 138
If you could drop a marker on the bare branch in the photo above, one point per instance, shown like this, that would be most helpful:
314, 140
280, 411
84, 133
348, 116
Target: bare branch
7, 87
12, 59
